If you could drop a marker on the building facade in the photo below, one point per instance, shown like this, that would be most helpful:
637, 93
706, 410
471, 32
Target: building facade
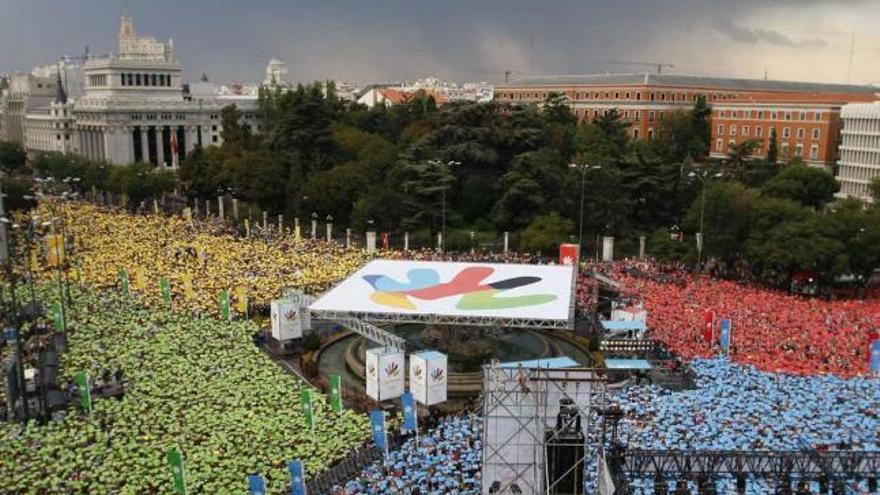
744, 105
860, 150
134, 108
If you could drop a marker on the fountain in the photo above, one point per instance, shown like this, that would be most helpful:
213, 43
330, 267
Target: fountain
467, 348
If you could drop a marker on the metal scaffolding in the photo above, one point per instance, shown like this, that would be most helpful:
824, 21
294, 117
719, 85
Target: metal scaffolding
523, 424
434, 319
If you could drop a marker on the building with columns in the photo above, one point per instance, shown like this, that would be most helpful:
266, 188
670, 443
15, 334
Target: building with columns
135, 108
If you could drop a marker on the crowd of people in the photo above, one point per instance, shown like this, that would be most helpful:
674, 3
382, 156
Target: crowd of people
192, 382
445, 461
772, 330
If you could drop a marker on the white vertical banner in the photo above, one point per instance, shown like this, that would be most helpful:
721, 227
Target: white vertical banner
699, 238
437, 378
371, 241
642, 240
418, 378
391, 367
372, 373
607, 249
288, 319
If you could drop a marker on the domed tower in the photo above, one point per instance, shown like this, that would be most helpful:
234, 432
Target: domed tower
276, 73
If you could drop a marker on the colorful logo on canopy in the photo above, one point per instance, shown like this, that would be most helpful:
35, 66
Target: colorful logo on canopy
424, 284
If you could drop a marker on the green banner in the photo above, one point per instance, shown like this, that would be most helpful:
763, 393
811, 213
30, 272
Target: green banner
165, 286
85, 394
175, 460
336, 393
123, 281
305, 400
224, 305
57, 314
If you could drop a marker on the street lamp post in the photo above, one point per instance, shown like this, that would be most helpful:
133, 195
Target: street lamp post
583, 169
13, 314
443, 168
703, 175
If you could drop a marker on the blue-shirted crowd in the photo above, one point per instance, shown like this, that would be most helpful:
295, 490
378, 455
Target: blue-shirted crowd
444, 461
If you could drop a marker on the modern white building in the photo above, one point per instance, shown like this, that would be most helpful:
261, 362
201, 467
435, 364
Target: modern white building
859, 160
134, 108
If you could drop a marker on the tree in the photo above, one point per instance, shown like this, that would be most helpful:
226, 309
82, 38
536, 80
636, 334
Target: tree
701, 127
728, 210
792, 247
546, 233
140, 182
875, 191
427, 187
809, 186
233, 132
13, 158
603, 141
531, 188
858, 230
772, 148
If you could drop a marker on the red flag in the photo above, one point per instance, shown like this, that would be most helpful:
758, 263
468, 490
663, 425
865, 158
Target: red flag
384, 240
709, 326
568, 254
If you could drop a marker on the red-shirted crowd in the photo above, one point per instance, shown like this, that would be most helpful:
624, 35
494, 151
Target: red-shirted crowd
772, 330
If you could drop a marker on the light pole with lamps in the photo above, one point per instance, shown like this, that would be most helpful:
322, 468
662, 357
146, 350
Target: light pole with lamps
442, 171
583, 169
703, 175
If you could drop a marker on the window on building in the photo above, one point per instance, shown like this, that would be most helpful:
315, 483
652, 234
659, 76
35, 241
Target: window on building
814, 152
214, 138
635, 133
815, 134
719, 145
652, 96
154, 80
801, 133
627, 95
786, 133
772, 115
787, 115
137, 79
760, 114
745, 131
817, 116
733, 129
720, 129
617, 95
759, 131
651, 116
651, 133
122, 79
784, 149
638, 115
803, 116
799, 149
638, 96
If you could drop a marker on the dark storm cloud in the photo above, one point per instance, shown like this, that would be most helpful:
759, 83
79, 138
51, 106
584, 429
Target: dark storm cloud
374, 40
742, 34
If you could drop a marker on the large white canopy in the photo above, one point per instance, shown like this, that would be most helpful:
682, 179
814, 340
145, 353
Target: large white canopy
467, 293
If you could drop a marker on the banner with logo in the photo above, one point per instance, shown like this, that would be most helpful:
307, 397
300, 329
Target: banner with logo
372, 373
165, 287
410, 416
875, 357
223, 300
85, 393
418, 378
57, 314
708, 326
427, 377
297, 477
123, 281
305, 402
287, 319
54, 250
336, 393
725, 334
391, 382
371, 241
256, 484
175, 461
569, 254
377, 424
385, 240
607, 249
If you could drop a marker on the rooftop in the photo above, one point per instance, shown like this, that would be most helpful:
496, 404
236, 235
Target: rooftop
674, 80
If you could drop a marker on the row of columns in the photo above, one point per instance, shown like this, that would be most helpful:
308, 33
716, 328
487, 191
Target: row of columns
191, 137
91, 143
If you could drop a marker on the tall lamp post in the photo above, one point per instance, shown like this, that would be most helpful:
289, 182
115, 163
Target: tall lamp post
14, 317
583, 169
703, 175
443, 170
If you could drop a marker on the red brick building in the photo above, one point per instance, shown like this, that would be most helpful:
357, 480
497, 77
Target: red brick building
806, 116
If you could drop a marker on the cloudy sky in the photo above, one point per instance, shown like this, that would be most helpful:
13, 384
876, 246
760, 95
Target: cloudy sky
370, 40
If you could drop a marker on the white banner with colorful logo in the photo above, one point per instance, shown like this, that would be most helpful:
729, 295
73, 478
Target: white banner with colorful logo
286, 320
384, 374
372, 373
428, 377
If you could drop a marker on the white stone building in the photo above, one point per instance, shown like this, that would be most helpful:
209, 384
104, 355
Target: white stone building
859, 160
134, 108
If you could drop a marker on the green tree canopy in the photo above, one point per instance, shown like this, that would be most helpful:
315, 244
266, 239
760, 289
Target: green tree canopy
809, 186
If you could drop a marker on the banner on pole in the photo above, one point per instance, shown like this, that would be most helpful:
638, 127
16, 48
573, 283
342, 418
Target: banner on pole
85, 394
607, 249
708, 326
410, 418
54, 250
305, 402
385, 242
569, 254
241, 299
384, 374
297, 477
377, 423
188, 293
140, 279
175, 461
288, 319
875, 357
336, 393
724, 336
57, 314
256, 484
223, 299
165, 287
123, 281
